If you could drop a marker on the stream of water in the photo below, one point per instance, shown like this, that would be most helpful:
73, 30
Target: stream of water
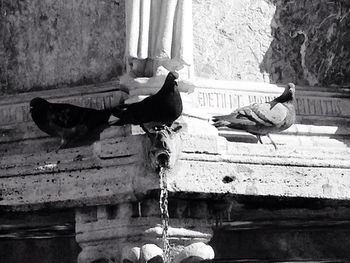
163, 203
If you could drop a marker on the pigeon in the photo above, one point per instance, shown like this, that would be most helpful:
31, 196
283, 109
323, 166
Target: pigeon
66, 121
261, 119
160, 109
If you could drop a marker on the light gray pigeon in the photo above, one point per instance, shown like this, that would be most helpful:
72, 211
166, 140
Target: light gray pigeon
261, 119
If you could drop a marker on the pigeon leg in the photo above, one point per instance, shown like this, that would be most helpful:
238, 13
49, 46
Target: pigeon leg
168, 129
274, 144
63, 144
145, 129
259, 138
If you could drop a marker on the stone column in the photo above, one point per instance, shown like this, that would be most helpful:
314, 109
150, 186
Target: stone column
159, 34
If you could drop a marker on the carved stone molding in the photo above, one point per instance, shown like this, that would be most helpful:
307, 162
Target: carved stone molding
131, 232
165, 147
151, 253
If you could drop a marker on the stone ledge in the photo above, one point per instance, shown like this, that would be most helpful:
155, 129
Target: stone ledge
14, 109
261, 155
260, 179
143, 228
116, 168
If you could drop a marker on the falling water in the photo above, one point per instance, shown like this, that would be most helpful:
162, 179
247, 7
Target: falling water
163, 202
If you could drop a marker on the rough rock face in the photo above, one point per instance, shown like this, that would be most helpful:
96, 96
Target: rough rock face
46, 43
311, 44
306, 42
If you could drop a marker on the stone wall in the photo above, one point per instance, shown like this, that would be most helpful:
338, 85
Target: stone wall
291, 242
47, 43
46, 236
39, 250
306, 42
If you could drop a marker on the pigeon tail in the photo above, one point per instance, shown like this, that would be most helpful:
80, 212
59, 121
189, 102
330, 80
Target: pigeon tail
119, 122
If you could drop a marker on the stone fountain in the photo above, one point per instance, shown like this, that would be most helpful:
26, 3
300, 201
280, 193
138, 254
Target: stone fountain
115, 183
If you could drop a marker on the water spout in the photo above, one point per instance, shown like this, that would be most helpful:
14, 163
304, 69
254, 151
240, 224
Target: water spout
163, 204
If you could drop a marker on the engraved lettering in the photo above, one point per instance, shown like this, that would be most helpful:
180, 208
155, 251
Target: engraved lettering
217, 99
211, 99
231, 101
201, 99
329, 110
320, 109
224, 100
306, 106
206, 99
336, 108
300, 107
312, 107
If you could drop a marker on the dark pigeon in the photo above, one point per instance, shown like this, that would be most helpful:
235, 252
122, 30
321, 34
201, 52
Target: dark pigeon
67, 121
162, 108
261, 119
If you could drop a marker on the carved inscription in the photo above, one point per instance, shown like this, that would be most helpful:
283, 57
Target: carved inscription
10, 114
218, 100
319, 107
223, 100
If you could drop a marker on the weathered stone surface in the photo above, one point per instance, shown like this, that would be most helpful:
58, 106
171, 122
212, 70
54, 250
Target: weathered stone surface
273, 41
231, 38
251, 178
45, 44
40, 236
198, 250
283, 241
310, 43
150, 251
131, 254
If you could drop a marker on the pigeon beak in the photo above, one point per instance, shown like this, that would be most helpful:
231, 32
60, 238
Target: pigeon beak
31, 108
176, 84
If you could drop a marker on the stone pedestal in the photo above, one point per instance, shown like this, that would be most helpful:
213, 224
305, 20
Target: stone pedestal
133, 231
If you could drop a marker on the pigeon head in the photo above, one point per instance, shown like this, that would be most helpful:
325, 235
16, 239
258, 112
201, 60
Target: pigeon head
291, 90
288, 94
171, 77
170, 82
37, 104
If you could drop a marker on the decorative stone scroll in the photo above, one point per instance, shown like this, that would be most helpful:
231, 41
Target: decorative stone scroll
131, 233
151, 253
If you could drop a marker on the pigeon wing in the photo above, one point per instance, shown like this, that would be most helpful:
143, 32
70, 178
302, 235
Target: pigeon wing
269, 114
65, 116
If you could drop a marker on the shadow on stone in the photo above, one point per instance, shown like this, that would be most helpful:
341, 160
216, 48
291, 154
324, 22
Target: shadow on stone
156, 259
310, 44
